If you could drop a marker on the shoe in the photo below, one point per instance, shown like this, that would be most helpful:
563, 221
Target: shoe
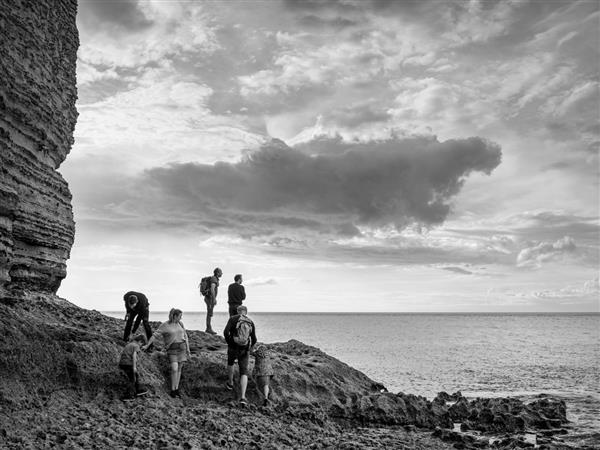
266, 402
141, 392
173, 394
210, 331
228, 386
177, 393
243, 402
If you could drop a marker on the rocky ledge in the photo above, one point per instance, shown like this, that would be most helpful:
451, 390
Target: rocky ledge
61, 387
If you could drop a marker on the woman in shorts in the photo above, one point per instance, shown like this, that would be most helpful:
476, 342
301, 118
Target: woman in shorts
176, 343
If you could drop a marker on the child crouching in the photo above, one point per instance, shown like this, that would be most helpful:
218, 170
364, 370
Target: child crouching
128, 364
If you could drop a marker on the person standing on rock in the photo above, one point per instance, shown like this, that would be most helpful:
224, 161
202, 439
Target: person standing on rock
210, 297
240, 334
177, 346
236, 294
138, 308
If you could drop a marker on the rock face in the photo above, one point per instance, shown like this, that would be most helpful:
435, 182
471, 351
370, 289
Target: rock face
38, 50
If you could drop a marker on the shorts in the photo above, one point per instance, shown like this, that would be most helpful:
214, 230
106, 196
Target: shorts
177, 352
210, 306
241, 354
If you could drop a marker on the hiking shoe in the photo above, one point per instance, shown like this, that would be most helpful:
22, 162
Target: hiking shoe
266, 402
177, 393
141, 392
173, 394
210, 331
229, 386
243, 402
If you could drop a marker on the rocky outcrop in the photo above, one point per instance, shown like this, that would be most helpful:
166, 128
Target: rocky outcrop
58, 366
38, 50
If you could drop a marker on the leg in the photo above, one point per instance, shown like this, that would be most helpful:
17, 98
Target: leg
243, 385
232, 310
147, 327
131, 377
210, 306
231, 357
128, 327
179, 369
174, 373
230, 371
263, 385
243, 357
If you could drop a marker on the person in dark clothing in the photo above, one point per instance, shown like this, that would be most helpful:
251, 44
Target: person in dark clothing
236, 294
240, 334
138, 308
128, 363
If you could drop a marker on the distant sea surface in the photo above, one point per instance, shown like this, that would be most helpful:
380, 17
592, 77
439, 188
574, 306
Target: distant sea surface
482, 355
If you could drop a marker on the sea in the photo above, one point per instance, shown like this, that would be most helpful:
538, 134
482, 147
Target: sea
482, 355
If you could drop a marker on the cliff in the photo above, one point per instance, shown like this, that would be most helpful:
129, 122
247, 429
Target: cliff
38, 50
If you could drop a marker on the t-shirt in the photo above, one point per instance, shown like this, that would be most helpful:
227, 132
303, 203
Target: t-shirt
127, 353
213, 280
171, 332
236, 294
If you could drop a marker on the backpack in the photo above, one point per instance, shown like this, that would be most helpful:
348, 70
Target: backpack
205, 286
243, 328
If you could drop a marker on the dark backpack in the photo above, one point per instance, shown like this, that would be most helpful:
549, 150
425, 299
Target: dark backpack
243, 329
205, 286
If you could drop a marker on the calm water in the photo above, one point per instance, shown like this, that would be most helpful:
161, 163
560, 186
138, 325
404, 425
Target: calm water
478, 354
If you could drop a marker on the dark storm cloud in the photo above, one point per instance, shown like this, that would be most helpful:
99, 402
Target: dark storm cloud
121, 13
398, 181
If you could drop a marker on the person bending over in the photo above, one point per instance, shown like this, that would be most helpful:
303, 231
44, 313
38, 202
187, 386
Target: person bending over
137, 307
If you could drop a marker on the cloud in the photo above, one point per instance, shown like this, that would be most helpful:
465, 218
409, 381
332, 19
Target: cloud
282, 189
458, 270
544, 252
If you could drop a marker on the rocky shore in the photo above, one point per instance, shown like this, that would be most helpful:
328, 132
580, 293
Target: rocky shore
61, 388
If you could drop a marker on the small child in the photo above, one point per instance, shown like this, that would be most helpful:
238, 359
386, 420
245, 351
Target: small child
263, 371
128, 364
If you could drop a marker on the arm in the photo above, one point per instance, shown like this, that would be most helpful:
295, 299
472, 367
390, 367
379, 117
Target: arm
153, 337
243, 292
253, 336
186, 340
134, 359
213, 292
227, 331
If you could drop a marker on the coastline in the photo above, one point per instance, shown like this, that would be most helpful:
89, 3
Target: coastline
64, 381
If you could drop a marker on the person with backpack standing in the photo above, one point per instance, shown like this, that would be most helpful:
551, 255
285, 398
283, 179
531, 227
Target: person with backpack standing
136, 305
236, 294
209, 288
240, 334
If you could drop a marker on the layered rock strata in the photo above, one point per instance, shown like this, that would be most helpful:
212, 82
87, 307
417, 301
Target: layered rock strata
38, 50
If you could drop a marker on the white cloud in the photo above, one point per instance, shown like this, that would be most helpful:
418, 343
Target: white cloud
543, 252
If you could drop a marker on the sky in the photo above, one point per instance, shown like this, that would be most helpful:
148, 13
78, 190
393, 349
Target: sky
344, 156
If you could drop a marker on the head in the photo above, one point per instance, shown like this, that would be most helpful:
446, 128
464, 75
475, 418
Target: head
238, 278
260, 351
132, 300
140, 338
175, 315
242, 310
218, 273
